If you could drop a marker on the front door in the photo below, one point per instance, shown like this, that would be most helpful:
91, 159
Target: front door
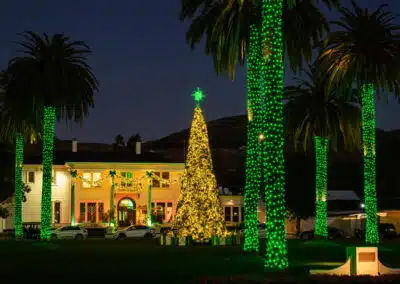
126, 212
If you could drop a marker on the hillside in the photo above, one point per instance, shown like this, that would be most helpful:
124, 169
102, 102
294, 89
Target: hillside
227, 133
228, 140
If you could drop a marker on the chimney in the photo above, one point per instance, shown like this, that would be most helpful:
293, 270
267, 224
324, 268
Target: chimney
138, 145
74, 145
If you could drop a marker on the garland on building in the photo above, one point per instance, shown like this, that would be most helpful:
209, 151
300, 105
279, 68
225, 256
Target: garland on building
199, 211
131, 184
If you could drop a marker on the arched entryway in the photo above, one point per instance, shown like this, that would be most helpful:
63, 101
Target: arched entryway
126, 212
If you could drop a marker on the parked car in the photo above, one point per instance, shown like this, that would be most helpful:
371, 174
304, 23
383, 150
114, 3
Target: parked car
240, 228
386, 231
333, 233
31, 230
135, 231
69, 232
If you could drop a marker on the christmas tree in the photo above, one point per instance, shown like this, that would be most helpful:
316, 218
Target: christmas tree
199, 211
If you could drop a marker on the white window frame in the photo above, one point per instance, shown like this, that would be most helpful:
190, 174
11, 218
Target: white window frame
53, 176
54, 211
27, 177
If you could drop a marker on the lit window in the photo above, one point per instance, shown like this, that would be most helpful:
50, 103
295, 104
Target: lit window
126, 179
91, 179
31, 177
156, 182
228, 214
235, 214
53, 176
165, 177
82, 212
101, 212
57, 212
168, 212
91, 214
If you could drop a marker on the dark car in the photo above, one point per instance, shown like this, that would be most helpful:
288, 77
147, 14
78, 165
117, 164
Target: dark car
386, 231
333, 234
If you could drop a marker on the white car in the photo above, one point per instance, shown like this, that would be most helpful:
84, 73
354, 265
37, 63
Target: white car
69, 232
134, 231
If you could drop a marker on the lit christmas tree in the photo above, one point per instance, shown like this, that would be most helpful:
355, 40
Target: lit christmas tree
199, 212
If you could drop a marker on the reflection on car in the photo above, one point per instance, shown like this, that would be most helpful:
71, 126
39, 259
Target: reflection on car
135, 231
333, 234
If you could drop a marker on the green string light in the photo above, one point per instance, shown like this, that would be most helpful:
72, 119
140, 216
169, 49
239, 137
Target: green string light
253, 163
112, 174
273, 74
149, 175
368, 134
321, 156
74, 175
47, 163
18, 184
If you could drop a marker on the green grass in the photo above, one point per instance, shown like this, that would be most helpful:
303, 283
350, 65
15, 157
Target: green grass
144, 261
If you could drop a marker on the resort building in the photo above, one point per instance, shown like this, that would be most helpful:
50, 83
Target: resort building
87, 185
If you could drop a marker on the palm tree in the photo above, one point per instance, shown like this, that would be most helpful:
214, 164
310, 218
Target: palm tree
326, 116
17, 120
56, 75
131, 144
118, 142
233, 32
365, 52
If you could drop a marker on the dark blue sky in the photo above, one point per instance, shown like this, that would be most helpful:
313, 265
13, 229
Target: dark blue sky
146, 70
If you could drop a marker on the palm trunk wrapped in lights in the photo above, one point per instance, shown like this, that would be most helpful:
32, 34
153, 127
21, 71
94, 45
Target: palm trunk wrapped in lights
74, 175
273, 74
47, 152
18, 184
149, 188
112, 175
321, 171
368, 135
253, 163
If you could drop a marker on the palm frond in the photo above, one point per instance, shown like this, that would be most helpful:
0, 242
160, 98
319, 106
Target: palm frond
313, 109
57, 73
365, 49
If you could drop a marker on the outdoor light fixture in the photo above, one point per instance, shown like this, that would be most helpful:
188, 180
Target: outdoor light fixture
261, 137
362, 205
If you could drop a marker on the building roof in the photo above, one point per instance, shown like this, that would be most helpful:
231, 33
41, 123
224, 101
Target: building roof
62, 157
342, 195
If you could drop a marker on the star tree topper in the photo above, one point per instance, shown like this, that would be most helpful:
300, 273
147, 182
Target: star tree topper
198, 96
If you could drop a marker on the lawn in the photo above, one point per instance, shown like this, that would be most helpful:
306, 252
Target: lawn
144, 261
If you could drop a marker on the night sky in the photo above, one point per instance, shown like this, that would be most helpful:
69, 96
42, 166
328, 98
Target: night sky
145, 68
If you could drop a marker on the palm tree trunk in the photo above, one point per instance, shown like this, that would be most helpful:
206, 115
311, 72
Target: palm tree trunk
368, 136
273, 74
321, 171
253, 163
47, 164
18, 184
